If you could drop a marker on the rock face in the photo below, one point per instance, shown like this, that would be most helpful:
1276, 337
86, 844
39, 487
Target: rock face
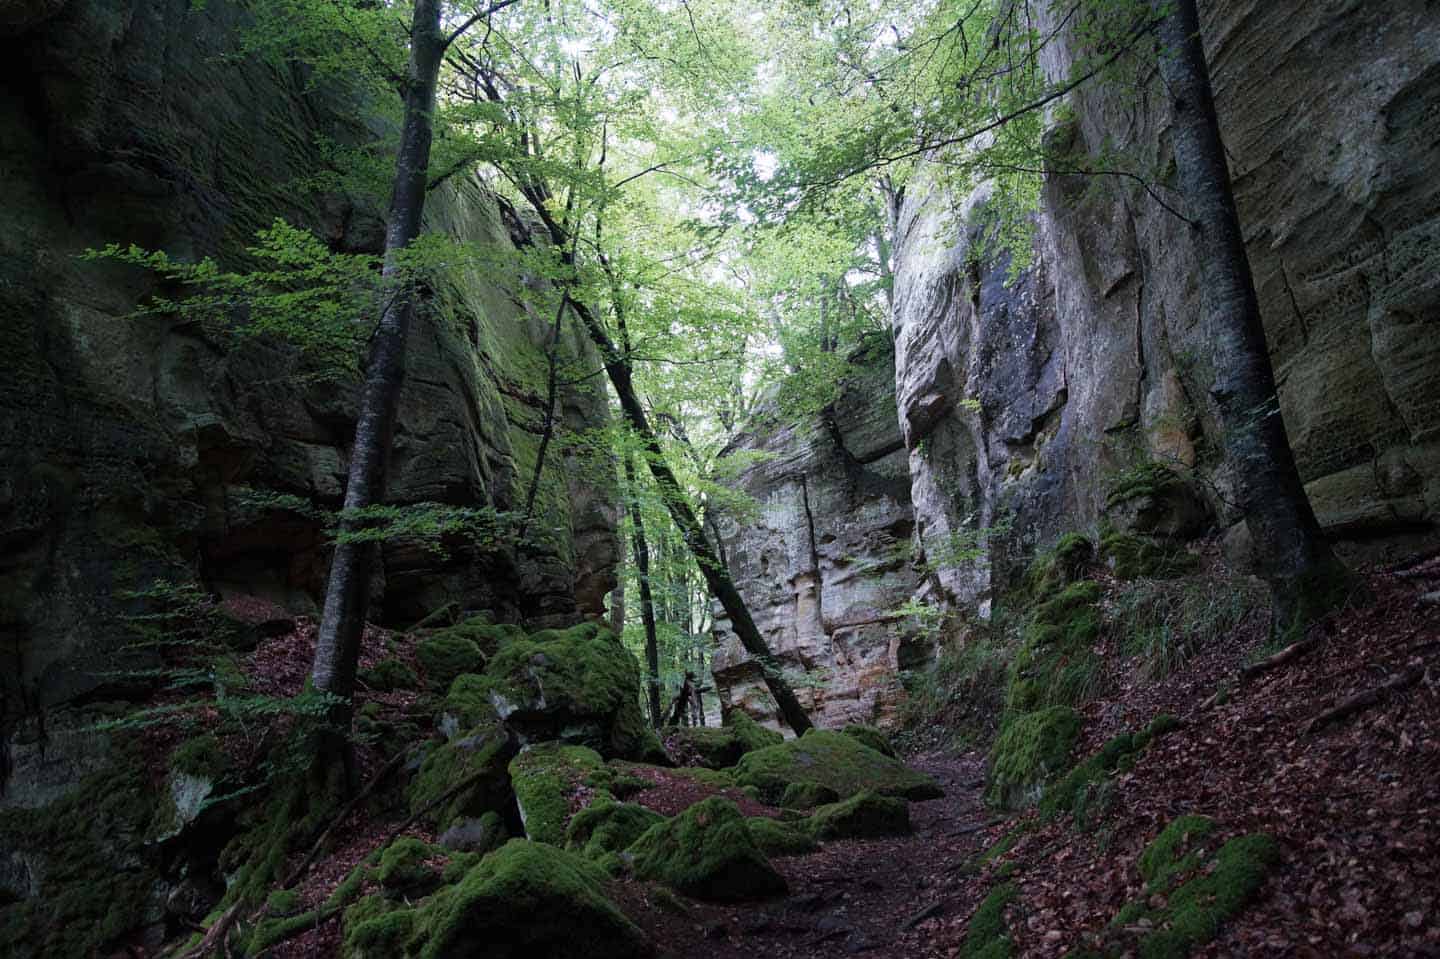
824, 559
1094, 361
136, 449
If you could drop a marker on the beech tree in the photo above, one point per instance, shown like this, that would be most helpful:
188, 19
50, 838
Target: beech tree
1290, 550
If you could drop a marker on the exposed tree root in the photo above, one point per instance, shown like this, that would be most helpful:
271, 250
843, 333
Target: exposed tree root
1362, 700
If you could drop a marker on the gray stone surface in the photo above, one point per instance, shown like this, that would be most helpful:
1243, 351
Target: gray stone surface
127, 446
823, 559
1096, 358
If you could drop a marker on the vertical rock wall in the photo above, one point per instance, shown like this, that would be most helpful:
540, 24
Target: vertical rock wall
1095, 359
132, 449
823, 557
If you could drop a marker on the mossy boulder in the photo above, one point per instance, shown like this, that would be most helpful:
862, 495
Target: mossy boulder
474, 834
1056, 664
445, 655
864, 815
1055, 568
405, 867
605, 828
707, 852
1030, 750
751, 734
871, 736
466, 706
548, 779
388, 675
579, 686
480, 758
776, 838
807, 795
834, 760
1153, 500
706, 746
524, 900
1137, 557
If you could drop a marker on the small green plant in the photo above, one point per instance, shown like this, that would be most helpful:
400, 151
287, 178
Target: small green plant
1165, 622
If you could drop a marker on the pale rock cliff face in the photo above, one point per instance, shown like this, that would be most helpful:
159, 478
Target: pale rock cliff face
823, 559
1095, 359
130, 448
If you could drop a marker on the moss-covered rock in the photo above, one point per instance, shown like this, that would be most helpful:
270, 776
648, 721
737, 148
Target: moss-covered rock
706, 746
201, 756
547, 778
776, 838
835, 760
1137, 557
389, 675
1057, 567
606, 827
466, 706
479, 758
376, 928
1030, 750
872, 737
707, 852
863, 816
446, 655
1056, 664
579, 685
404, 868
752, 735
525, 900
1179, 848
471, 834
807, 795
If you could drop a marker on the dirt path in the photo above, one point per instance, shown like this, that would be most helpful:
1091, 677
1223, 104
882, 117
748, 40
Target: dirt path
880, 896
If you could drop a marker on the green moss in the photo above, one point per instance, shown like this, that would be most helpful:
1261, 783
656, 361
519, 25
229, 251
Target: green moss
1134, 557
546, 778
1029, 750
525, 899
607, 827
282, 902
707, 852
403, 869
862, 816
707, 746
714, 778
872, 737
96, 874
1078, 792
775, 838
1218, 888
487, 636
446, 655
752, 735
1144, 480
588, 683
375, 927
1177, 849
467, 704
202, 756
1056, 664
834, 760
1059, 566
987, 936
389, 675
483, 754
807, 795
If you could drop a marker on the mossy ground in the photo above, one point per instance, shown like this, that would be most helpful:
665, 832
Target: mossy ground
986, 936
1080, 793
834, 760
707, 852
1135, 557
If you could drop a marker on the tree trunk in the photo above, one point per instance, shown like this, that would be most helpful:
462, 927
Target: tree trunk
715, 573
1291, 552
641, 549
347, 593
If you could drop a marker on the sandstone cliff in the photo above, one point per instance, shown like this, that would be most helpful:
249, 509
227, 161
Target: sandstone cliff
132, 449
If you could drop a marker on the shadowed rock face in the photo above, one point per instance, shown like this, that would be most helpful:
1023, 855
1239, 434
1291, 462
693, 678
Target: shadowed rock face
128, 448
1095, 358
824, 560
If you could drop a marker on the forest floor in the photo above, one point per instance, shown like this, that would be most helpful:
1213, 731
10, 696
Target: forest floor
1335, 753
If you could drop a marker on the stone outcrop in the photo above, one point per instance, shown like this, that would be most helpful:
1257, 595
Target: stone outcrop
133, 449
1022, 404
823, 557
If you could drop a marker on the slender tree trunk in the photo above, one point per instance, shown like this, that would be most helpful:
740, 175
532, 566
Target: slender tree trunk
552, 356
683, 515
641, 549
617, 600
1291, 551
347, 593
